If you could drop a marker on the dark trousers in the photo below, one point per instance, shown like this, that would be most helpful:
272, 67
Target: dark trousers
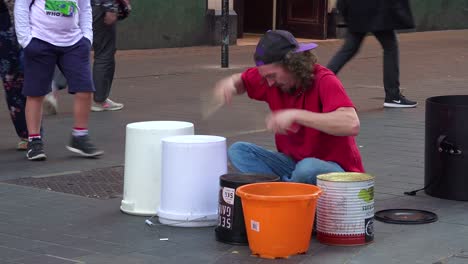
104, 54
391, 71
11, 73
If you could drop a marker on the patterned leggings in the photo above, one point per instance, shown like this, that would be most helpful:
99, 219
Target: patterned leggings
11, 73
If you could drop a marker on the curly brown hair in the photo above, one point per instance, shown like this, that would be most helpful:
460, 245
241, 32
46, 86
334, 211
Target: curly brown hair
301, 65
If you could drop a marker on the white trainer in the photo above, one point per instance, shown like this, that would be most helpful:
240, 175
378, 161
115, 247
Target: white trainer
50, 105
107, 105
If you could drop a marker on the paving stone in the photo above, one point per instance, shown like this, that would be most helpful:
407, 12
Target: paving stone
61, 251
20, 243
418, 244
10, 254
134, 258
44, 259
333, 254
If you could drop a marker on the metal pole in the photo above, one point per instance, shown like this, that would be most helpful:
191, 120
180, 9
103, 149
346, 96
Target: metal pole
225, 34
274, 15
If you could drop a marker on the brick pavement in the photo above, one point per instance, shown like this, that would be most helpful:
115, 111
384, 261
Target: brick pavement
39, 226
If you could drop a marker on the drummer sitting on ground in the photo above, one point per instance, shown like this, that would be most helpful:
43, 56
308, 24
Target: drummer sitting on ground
313, 118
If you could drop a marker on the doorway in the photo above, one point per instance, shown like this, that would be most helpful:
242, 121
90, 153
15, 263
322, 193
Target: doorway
303, 18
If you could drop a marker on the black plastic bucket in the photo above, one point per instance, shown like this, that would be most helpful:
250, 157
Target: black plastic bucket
231, 226
446, 147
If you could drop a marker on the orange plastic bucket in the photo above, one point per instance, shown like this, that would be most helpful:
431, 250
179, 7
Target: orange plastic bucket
278, 217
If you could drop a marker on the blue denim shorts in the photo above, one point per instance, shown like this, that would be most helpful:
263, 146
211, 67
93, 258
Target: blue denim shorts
40, 58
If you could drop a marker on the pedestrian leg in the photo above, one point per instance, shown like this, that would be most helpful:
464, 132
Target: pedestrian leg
347, 51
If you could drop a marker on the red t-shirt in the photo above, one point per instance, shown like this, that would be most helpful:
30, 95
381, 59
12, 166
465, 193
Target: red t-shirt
326, 95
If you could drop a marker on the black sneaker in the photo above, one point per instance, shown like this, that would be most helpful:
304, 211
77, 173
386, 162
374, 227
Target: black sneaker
400, 102
36, 150
83, 146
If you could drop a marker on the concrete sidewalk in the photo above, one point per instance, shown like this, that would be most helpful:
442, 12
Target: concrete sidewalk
42, 226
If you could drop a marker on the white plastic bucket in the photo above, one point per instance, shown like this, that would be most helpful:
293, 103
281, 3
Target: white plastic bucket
142, 174
345, 211
191, 167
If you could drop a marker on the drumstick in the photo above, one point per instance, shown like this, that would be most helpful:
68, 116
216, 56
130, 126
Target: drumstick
247, 132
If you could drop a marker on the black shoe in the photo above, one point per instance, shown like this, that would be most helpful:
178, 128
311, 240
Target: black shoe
83, 146
400, 102
36, 150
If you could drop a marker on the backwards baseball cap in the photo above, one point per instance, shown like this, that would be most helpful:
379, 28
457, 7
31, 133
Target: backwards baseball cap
275, 44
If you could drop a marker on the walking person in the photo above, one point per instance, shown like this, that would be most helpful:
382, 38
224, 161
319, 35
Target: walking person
104, 67
313, 118
11, 72
381, 18
59, 82
105, 16
56, 33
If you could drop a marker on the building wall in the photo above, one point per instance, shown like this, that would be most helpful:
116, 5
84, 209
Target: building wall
435, 14
428, 15
216, 4
180, 23
162, 24
440, 14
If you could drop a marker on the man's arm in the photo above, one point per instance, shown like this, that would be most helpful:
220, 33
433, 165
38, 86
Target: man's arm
86, 19
222, 94
111, 9
108, 5
226, 88
341, 122
22, 26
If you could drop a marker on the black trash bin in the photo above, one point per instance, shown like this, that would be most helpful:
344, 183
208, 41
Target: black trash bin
446, 147
231, 226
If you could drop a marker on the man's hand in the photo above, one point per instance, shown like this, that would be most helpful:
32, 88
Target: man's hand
224, 91
282, 121
110, 18
222, 94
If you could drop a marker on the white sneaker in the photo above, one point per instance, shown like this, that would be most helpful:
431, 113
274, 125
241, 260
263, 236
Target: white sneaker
107, 105
50, 105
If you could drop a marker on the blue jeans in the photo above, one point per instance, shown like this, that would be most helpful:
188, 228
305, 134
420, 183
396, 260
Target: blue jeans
250, 158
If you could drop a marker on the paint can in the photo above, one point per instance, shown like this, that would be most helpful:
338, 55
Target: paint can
345, 211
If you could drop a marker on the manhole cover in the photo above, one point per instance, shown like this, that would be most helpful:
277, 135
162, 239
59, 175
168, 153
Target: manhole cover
104, 183
405, 216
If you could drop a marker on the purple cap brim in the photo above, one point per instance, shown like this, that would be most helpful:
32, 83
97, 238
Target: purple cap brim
305, 46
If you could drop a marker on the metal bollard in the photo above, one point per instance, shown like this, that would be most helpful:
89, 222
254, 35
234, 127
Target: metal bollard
225, 34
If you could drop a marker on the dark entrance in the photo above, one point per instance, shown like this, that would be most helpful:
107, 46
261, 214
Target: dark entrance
303, 18
253, 16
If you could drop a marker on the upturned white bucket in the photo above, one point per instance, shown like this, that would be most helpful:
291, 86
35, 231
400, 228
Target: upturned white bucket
191, 167
142, 178
345, 211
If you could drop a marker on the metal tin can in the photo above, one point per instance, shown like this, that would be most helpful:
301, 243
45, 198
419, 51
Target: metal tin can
345, 211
